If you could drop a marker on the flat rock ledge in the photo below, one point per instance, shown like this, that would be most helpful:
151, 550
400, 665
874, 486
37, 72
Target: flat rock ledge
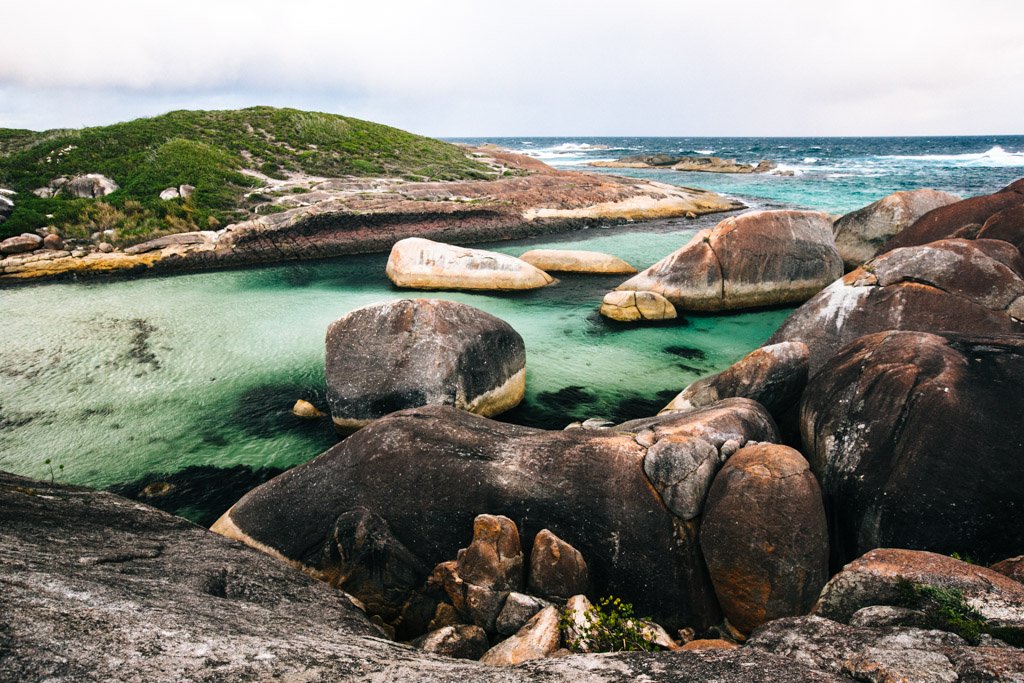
577, 261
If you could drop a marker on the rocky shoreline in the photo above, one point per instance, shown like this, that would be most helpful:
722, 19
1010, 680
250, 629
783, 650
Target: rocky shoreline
309, 218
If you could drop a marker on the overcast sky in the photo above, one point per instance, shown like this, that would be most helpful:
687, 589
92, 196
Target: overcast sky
529, 67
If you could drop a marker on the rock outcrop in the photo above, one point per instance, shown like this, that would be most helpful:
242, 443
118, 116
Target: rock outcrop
958, 286
88, 186
417, 263
687, 163
762, 258
576, 261
414, 352
142, 596
861, 233
586, 486
629, 307
764, 536
773, 375
20, 244
916, 441
964, 219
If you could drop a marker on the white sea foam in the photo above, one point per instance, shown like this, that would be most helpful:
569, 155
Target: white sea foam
996, 157
786, 169
811, 160
704, 151
578, 147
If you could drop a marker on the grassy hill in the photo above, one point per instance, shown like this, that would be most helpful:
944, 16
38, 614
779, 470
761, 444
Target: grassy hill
209, 150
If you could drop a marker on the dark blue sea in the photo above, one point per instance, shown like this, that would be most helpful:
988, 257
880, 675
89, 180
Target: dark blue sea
830, 174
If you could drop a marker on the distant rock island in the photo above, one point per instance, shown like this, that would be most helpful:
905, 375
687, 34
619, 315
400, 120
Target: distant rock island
685, 163
203, 189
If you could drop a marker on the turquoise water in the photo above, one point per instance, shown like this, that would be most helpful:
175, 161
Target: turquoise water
190, 379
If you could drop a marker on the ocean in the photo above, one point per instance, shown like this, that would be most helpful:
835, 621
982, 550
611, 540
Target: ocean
183, 384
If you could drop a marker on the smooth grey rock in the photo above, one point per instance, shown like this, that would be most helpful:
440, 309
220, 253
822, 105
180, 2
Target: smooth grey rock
90, 185
186, 191
177, 239
682, 470
170, 193
518, 610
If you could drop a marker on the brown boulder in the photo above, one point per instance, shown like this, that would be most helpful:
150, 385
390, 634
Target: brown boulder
557, 570
537, 639
861, 233
494, 559
762, 258
1012, 567
764, 536
20, 244
1006, 225
916, 439
430, 471
876, 577
960, 219
54, 242
630, 307
959, 286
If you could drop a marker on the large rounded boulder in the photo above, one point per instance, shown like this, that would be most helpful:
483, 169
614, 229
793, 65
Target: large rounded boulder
917, 440
860, 234
417, 263
764, 536
762, 258
414, 352
430, 471
963, 219
959, 286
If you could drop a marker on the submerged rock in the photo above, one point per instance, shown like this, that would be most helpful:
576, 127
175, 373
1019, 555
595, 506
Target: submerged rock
916, 439
764, 536
576, 261
633, 306
416, 263
959, 286
413, 352
586, 486
861, 233
762, 258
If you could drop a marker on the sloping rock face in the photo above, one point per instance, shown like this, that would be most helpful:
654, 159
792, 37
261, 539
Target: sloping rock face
957, 286
144, 597
961, 219
413, 352
874, 579
861, 233
916, 440
586, 486
764, 536
907, 655
577, 261
423, 264
763, 258
773, 375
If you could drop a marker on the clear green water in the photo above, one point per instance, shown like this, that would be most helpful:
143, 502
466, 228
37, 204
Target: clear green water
183, 378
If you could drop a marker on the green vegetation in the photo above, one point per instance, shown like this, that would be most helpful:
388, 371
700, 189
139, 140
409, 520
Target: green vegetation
209, 150
610, 627
947, 610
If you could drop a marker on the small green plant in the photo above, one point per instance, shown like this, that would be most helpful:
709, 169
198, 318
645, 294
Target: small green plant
49, 463
609, 626
945, 608
963, 558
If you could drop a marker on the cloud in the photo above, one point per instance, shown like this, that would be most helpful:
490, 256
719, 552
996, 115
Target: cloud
657, 67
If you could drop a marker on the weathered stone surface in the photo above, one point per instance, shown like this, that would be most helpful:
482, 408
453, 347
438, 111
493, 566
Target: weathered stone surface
886, 654
1012, 567
53, 241
762, 258
144, 597
176, 240
557, 570
916, 440
584, 485
682, 471
709, 644
631, 306
961, 286
861, 233
494, 559
20, 244
960, 219
873, 579
460, 642
88, 186
880, 616
413, 352
764, 536
576, 261
518, 610
537, 639
773, 375
1006, 225
417, 263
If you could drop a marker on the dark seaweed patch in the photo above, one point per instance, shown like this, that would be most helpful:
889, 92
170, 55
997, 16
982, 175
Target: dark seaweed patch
140, 350
566, 399
642, 406
686, 352
264, 412
200, 493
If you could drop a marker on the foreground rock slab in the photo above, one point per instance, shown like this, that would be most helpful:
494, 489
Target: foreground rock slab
413, 352
577, 261
761, 258
145, 597
916, 440
586, 486
416, 263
